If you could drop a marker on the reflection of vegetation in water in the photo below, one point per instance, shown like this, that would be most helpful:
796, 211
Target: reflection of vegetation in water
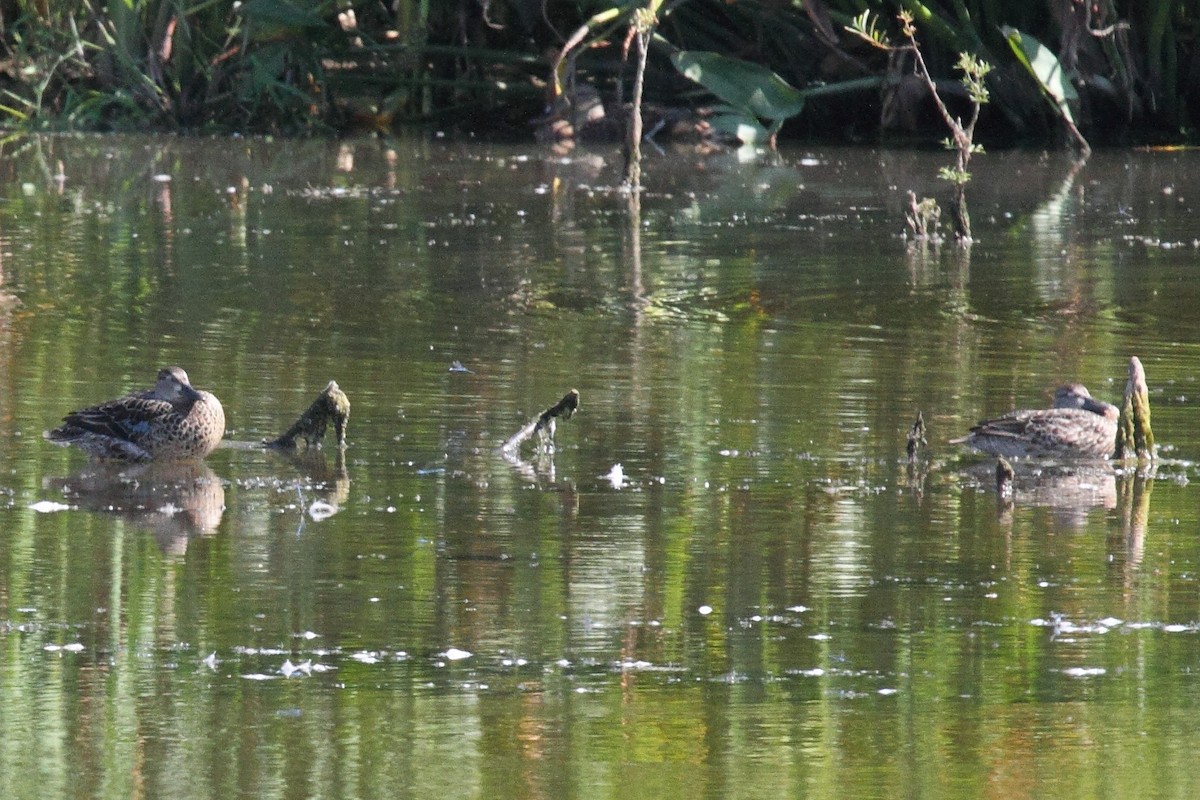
774, 612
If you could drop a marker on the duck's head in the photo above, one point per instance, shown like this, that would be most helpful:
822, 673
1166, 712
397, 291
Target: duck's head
174, 387
1076, 395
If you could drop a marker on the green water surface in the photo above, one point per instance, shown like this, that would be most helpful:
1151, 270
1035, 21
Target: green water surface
766, 600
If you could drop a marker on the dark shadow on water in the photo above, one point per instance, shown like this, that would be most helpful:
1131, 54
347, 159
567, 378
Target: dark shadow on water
174, 501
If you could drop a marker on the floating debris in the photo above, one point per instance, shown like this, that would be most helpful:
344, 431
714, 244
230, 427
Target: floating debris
1084, 672
321, 510
289, 669
457, 366
49, 507
331, 405
615, 476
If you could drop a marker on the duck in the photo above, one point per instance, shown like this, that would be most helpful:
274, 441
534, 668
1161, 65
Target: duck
1077, 426
171, 422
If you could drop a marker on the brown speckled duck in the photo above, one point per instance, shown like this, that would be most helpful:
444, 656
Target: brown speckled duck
1078, 426
170, 422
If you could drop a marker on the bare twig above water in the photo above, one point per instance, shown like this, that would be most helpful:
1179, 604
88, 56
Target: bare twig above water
545, 423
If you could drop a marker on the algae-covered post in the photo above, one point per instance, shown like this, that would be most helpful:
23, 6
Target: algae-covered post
331, 404
1135, 439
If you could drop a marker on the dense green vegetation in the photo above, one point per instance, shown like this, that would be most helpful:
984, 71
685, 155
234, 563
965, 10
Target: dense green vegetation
306, 65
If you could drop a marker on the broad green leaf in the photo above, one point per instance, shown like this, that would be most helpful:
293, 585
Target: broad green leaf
1045, 68
742, 84
738, 124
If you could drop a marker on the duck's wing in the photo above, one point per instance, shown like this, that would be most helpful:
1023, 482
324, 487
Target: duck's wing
1017, 425
1055, 430
127, 418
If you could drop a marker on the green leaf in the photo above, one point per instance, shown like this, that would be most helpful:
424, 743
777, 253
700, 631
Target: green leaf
738, 124
742, 84
1044, 66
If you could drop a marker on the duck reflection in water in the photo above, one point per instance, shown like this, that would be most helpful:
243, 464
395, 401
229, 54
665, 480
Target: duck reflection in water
1078, 426
1069, 491
174, 500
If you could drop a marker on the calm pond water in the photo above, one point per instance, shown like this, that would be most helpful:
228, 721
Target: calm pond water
766, 600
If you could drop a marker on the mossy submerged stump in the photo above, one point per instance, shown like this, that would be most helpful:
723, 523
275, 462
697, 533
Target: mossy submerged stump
331, 405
